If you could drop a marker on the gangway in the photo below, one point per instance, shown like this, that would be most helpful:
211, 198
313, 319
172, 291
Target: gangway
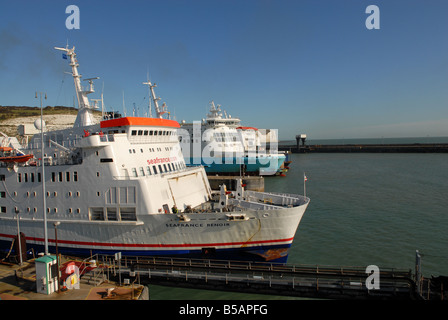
310, 281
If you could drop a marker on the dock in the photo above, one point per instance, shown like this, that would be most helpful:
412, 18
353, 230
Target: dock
318, 282
18, 282
367, 148
130, 278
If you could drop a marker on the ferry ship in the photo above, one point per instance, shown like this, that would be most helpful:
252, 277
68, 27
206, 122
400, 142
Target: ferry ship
222, 145
122, 185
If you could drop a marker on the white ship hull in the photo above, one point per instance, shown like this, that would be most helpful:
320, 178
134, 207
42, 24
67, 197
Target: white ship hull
264, 235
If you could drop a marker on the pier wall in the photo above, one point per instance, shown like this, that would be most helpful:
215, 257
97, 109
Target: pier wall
368, 148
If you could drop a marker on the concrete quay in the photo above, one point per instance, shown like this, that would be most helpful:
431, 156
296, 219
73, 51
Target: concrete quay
19, 283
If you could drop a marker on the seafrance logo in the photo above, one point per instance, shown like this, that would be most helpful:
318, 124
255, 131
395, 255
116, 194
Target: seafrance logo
242, 147
158, 160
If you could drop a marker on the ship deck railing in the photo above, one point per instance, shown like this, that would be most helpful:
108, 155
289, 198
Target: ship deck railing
246, 204
276, 199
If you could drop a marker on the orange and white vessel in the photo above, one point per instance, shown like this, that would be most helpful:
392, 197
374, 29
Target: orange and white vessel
121, 185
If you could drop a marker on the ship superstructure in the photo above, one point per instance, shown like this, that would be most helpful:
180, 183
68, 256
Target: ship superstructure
122, 185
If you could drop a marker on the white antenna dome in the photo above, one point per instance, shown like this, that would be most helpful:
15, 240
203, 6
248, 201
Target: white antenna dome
37, 124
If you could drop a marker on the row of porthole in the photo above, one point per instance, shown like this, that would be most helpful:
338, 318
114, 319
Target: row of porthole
55, 194
49, 210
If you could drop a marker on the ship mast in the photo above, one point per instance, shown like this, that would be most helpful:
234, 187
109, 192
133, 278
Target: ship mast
214, 111
149, 98
85, 116
159, 111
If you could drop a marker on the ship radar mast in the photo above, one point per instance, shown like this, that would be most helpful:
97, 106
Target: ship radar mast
215, 111
85, 116
160, 111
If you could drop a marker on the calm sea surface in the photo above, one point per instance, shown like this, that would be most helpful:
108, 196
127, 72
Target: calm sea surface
365, 209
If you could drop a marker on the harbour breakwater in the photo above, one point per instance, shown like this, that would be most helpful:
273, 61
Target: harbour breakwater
368, 148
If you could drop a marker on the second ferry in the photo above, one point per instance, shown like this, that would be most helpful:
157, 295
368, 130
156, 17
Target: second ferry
223, 146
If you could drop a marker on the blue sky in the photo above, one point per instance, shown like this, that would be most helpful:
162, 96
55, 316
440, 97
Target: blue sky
298, 66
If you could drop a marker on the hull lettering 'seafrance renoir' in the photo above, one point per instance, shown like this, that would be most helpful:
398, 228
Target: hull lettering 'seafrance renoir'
122, 185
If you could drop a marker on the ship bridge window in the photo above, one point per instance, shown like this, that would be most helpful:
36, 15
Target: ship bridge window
3, 209
112, 214
140, 132
145, 133
134, 132
128, 214
96, 214
150, 132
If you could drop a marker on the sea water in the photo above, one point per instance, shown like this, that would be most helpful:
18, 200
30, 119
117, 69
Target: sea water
365, 209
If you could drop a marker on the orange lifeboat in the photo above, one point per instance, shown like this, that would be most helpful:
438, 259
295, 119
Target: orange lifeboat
9, 155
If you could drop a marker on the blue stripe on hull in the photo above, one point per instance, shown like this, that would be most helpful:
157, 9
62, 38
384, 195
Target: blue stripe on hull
273, 253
